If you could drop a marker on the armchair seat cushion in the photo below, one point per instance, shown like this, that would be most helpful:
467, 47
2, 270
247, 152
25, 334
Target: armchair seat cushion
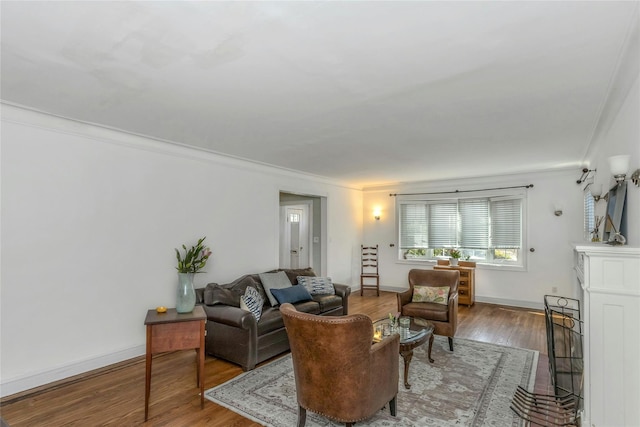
427, 310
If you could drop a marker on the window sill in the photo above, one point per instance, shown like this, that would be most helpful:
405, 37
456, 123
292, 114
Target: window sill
479, 266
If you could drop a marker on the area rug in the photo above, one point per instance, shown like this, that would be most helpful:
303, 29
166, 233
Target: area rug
472, 386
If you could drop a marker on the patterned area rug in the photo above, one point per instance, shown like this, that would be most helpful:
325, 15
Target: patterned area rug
472, 386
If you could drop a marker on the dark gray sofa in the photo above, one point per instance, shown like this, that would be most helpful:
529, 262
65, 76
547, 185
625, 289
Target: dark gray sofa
234, 335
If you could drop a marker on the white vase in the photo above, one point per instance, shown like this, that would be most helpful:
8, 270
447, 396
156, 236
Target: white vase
453, 261
186, 295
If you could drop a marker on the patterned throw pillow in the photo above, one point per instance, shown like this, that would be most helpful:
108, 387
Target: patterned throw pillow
438, 295
252, 301
317, 285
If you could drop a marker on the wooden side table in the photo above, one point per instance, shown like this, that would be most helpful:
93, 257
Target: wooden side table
467, 283
172, 331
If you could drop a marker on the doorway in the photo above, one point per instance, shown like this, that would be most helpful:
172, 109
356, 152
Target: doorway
302, 232
295, 251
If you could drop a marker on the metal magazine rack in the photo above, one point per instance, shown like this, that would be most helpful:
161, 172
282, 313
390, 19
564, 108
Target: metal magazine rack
565, 332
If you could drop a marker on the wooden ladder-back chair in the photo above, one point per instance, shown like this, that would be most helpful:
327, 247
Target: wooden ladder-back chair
369, 269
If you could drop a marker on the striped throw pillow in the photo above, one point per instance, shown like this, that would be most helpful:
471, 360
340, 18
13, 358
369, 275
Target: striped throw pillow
317, 285
252, 302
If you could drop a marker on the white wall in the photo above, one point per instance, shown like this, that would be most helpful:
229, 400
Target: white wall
90, 218
549, 266
623, 137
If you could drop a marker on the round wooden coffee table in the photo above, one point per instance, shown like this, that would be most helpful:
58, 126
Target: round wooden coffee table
418, 333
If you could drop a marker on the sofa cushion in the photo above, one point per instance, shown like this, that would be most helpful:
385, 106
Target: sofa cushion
270, 281
292, 294
435, 294
327, 302
317, 285
252, 302
271, 320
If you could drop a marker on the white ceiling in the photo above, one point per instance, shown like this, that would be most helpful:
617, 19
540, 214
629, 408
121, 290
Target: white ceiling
363, 92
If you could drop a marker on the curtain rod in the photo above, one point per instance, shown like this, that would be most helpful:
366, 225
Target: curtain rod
460, 191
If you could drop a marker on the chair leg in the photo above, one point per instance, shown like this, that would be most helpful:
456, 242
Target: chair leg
302, 416
450, 343
392, 405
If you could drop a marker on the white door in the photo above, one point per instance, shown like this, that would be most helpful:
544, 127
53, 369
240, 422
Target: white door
295, 251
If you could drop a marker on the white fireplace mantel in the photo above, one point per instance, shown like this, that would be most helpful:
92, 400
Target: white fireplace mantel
608, 285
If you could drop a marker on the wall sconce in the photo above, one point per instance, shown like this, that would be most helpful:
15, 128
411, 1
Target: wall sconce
376, 214
596, 192
619, 166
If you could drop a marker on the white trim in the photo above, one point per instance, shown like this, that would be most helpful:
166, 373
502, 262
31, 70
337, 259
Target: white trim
26, 382
510, 302
14, 113
488, 300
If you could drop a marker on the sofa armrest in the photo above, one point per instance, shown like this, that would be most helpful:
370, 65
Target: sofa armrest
199, 296
343, 291
384, 357
230, 316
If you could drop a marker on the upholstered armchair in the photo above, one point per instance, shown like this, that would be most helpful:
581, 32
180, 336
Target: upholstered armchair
443, 314
339, 373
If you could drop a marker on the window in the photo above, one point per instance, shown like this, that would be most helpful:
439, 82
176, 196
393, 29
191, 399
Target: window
486, 228
589, 215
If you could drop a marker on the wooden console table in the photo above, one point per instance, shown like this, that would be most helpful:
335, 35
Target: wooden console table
172, 331
467, 284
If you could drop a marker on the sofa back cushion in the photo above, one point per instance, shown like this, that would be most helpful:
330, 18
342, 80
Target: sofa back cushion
293, 273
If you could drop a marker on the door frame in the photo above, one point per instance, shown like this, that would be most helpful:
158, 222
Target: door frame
283, 253
319, 248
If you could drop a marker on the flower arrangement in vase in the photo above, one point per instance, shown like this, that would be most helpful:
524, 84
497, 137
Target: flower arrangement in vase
193, 261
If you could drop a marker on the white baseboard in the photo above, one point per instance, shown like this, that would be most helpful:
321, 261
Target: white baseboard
488, 300
511, 302
29, 381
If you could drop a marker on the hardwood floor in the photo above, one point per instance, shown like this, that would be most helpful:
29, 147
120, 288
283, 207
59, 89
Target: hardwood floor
114, 396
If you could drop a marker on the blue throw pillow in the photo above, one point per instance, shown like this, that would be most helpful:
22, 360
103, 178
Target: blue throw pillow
291, 294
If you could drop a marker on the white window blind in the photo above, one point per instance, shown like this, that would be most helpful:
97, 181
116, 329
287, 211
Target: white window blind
506, 223
486, 228
443, 224
589, 214
414, 220
474, 223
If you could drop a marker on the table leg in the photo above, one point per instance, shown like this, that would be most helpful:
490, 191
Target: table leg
430, 346
407, 356
201, 364
147, 382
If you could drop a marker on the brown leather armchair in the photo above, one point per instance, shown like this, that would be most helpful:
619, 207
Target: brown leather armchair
339, 373
444, 317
